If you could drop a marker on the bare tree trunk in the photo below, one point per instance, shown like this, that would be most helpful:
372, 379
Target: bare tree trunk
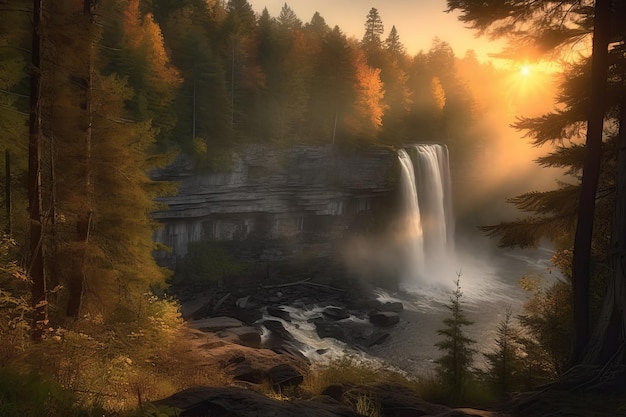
7, 191
35, 269
581, 263
83, 224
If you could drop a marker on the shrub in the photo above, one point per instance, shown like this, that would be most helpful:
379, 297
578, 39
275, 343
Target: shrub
35, 396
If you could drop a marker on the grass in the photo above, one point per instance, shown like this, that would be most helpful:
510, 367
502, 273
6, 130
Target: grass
348, 370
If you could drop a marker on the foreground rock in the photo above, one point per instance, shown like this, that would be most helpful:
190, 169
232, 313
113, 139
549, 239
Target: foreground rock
384, 318
398, 401
216, 402
389, 400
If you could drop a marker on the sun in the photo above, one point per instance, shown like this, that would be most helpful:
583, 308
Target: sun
525, 70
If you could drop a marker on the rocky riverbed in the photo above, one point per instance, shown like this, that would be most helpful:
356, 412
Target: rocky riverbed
244, 331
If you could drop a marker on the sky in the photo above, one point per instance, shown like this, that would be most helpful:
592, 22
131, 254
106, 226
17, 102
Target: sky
505, 167
418, 22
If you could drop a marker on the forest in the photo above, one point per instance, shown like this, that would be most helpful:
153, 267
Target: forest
95, 94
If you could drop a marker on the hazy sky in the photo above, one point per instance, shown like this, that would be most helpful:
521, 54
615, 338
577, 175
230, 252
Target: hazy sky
417, 21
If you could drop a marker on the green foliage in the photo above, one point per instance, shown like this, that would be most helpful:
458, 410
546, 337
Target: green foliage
33, 395
454, 367
548, 327
504, 363
205, 264
14, 307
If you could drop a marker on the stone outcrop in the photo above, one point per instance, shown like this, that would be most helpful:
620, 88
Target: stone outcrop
336, 401
274, 203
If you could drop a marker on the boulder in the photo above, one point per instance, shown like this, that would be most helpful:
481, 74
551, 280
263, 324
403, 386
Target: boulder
245, 336
244, 371
395, 400
384, 318
336, 313
291, 351
394, 307
230, 401
326, 329
215, 324
278, 312
247, 315
278, 330
284, 376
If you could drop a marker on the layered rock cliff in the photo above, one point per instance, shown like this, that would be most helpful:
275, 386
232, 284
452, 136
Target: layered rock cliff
276, 203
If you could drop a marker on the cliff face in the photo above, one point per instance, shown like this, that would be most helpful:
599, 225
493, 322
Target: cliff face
276, 203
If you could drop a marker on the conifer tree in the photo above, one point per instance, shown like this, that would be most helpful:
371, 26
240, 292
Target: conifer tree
393, 45
374, 29
503, 362
454, 366
202, 104
552, 26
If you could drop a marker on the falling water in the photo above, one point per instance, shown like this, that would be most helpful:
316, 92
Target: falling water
430, 220
411, 232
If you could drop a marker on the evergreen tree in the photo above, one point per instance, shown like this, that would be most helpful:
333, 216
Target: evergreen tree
454, 367
503, 364
317, 25
245, 76
332, 95
203, 103
374, 29
287, 18
587, 111
394, 47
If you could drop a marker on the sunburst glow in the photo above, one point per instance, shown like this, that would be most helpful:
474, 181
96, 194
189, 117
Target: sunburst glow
525, 70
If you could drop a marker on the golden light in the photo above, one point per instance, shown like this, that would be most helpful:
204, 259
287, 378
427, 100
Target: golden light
525, 70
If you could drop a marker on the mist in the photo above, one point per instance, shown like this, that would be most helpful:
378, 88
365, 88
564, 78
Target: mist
502, 161
497, 163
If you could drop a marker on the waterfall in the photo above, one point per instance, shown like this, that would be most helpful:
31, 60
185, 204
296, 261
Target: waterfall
427, 205
411, 232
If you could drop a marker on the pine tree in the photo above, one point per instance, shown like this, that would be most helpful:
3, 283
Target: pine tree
503, 363
374, 29
587, 111
202, 104
454, 367
393, 45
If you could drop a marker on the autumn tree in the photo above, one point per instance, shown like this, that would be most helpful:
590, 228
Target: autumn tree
136, 48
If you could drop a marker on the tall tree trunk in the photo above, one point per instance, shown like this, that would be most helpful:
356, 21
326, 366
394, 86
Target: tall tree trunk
35, 268
7, 191
83, 223
607, 342
581, 263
